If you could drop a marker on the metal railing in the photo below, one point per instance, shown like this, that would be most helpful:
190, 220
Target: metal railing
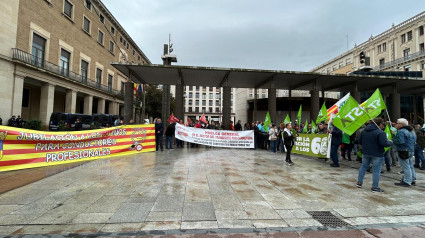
35, 61
401, 60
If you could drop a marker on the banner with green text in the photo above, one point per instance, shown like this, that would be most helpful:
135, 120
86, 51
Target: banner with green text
313, 145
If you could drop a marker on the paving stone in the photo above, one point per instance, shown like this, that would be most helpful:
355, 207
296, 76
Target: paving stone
198, 211
92, 218
164, 216
7, 209
161, 225
233, 215
269, 223
260, 210
107, 204
226, 203
122, 227
7, 230
234, 223
131, 212
42, 229
199, 225
19, 219
169, 203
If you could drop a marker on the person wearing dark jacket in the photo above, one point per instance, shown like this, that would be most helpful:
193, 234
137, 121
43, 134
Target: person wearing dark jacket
256, 135
419, 148
238, 126
335, 144
159, 131
373, 141
169, 133
289, 141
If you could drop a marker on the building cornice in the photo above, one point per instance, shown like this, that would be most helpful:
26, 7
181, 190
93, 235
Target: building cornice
122, 30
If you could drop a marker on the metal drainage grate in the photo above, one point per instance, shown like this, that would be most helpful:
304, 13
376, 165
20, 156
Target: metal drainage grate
326, 218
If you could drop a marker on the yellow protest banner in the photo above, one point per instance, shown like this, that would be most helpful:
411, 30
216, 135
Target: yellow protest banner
22, 148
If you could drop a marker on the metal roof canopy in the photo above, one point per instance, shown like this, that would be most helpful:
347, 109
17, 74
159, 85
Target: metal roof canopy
256, 78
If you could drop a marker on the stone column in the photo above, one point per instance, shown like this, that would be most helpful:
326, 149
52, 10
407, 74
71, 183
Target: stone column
254, 116
226, 106
355, 92
415, 109
88, 104
272, 101
101, 106
128, 101
47, 97
395, 103
315, 104
18, 89
113, 108
179, 107
70, 101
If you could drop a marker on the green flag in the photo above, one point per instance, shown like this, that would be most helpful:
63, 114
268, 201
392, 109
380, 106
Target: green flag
313, 127
305, 129
299, 114
323, 114
267, 122
389, 135
350, 117
374, 105
287, 120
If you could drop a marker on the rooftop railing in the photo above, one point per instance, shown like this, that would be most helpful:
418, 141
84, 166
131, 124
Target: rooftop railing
38, 62
400, 60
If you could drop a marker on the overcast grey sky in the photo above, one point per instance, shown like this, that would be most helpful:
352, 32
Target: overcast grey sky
270, 34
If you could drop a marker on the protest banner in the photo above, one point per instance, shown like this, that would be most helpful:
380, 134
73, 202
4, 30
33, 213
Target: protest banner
22, 148
216, 138
350, 117
313, 145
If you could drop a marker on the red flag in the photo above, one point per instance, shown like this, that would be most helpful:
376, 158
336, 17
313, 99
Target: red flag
172, 119
203, 119
188, 121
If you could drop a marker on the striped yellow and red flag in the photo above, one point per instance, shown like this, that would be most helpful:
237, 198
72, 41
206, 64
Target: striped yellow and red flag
22, 148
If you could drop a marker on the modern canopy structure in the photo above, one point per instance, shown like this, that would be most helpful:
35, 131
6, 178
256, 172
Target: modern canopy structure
228, 78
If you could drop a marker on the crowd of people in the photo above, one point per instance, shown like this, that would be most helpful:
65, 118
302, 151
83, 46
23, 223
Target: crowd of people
369, 144
14, 122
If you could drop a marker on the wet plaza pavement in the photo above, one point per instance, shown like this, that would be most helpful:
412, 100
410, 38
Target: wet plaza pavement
210, 190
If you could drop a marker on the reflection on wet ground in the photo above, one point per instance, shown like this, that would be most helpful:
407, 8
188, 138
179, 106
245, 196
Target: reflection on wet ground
200, 188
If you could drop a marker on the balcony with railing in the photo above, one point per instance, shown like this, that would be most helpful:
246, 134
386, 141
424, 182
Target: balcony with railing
401, 60
35, 61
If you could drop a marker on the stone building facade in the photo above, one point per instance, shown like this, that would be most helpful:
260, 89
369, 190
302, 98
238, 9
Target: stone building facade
399, 48
55, 57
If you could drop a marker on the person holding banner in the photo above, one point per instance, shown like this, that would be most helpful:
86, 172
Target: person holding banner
373, 141
404, 145
289, 141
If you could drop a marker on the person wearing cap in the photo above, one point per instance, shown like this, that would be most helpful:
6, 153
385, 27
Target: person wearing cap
373, 141
404, 145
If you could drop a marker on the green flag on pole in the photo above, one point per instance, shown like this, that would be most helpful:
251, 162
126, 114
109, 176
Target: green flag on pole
313, 127
374, 105
389, 135
287, 120
351, 117
267, 122
299, 114
305, 129
323, 114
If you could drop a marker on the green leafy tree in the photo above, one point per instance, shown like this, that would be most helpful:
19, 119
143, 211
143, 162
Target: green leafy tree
154, 101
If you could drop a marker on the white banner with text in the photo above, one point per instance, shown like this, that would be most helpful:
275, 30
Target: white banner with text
216, 138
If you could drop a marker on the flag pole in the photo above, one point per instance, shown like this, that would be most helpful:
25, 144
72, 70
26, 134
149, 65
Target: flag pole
389, 119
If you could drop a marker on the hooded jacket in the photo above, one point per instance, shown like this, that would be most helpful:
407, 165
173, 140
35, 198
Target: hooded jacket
373, 141
405, 139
